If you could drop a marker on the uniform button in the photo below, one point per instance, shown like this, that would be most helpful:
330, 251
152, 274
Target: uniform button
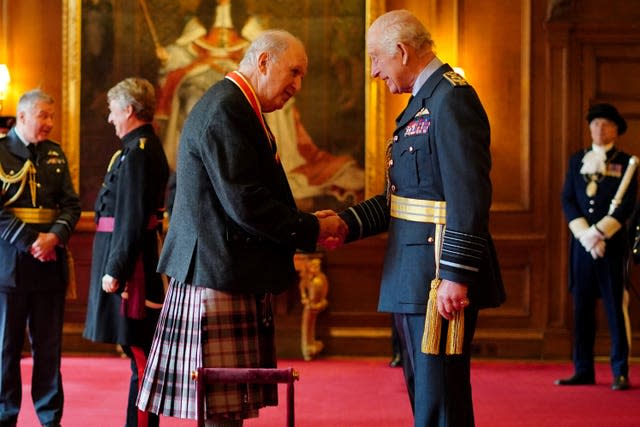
411, 149
390, 162
592, 202
393, 188
38, 185
430, 239
58, 170
395, 138
590, 210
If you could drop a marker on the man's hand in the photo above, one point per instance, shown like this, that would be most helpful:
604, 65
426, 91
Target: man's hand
333, 229
452, 297
44, 248
110, 284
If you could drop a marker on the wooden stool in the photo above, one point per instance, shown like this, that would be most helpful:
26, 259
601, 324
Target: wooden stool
204, 376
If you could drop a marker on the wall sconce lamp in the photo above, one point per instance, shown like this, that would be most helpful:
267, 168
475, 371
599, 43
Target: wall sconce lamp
5, 79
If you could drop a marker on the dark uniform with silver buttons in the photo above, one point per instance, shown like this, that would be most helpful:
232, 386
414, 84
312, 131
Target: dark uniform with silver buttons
591, 279
439, 156
36, 199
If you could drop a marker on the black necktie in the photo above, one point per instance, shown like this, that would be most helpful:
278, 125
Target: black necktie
405, 109
32, 150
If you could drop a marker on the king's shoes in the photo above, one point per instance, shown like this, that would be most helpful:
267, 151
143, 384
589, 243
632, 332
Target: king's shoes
576, 380
620, 383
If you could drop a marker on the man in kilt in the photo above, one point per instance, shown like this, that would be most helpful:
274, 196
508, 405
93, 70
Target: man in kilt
230, 245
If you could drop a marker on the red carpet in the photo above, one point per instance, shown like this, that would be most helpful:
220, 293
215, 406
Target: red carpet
354, 393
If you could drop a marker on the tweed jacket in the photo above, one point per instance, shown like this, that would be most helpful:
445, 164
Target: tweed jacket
439, 152
54, 190
234, 225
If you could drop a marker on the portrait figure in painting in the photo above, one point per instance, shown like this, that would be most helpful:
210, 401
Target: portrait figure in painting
188, 45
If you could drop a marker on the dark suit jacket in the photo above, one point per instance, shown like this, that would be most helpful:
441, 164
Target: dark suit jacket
54, 191
440, 152
235, 225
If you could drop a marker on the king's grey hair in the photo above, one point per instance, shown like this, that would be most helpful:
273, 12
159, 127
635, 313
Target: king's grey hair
401, 26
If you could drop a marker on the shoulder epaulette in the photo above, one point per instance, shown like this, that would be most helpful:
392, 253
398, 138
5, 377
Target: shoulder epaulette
455, 79
142, 142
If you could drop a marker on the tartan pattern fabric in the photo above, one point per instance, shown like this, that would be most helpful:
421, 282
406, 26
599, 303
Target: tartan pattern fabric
203, 327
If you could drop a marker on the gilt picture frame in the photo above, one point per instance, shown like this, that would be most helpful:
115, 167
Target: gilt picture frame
340, 109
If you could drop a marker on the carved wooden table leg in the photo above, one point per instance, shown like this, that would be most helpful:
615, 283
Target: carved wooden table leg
314, 287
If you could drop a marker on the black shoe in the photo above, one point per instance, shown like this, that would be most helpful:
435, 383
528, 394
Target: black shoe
576, 380
396, 361
620, 383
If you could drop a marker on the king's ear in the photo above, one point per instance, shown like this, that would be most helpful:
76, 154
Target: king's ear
404, 52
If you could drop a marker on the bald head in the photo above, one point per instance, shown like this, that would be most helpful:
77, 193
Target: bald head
273, 42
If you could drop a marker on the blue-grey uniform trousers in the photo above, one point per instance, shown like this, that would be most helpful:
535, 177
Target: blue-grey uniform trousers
429, 378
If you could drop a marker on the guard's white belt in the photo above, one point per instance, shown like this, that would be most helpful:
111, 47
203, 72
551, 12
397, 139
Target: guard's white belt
418, 210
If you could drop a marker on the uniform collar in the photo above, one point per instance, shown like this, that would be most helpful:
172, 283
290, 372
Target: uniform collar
16, 144
20, 137
425, 91
425, 74
602, 148
134, 135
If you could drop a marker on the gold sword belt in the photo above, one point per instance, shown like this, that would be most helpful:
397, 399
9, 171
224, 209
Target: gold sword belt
418, 210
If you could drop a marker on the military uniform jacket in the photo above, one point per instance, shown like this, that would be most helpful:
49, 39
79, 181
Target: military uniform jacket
576, 203
234, 225
54, 190
439, 152
132, 193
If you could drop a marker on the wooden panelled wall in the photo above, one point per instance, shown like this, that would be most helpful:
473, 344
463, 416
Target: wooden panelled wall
536, 65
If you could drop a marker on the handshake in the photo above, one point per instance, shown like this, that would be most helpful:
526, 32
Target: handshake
333, 230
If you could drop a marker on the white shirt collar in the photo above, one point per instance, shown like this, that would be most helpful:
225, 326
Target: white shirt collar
425, 74
20, 137
602, 148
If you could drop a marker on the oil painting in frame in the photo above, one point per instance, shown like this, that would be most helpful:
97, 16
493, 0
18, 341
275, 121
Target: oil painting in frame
331, 140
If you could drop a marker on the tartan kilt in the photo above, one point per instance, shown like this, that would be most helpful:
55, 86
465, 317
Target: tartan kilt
198, 327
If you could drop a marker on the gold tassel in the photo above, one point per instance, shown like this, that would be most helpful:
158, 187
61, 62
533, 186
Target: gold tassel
72, 287
432, 322
455, 334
